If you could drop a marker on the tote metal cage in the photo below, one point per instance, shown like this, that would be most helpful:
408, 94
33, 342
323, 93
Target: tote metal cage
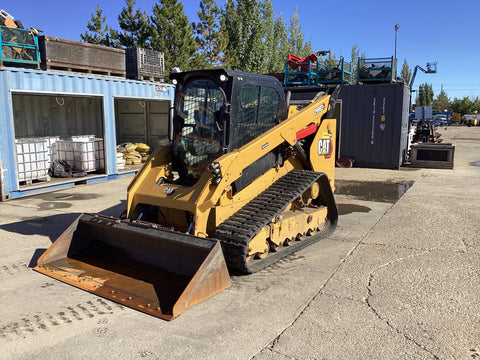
376, 70
18, 47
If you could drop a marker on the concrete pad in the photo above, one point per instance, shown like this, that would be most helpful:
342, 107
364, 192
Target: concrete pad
336, 328
106, 197
431, 298
351, 280
62, 320
397, 281
442, 213
229, 323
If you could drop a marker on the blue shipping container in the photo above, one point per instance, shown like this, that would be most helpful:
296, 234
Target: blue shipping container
19, 86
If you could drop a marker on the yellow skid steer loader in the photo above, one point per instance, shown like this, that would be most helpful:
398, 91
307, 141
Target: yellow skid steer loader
246, 180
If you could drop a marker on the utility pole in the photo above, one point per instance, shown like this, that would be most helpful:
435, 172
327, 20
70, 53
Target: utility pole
396, 28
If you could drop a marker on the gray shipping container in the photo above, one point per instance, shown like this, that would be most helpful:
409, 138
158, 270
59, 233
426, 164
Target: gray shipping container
374, 124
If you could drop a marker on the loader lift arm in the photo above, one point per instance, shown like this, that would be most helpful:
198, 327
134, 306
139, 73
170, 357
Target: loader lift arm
228, 168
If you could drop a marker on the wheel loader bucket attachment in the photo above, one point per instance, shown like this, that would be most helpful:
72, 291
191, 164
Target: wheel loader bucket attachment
159, 272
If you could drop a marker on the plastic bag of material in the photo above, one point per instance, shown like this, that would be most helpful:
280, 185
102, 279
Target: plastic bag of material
62, 169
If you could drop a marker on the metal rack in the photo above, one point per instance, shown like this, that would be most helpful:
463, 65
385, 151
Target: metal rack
376, 70
18, 47
301, 71
335, 72
310, 71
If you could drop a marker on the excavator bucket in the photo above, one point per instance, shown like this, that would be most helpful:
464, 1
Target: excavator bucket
159, 272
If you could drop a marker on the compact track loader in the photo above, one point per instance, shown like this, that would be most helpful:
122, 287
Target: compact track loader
246, 180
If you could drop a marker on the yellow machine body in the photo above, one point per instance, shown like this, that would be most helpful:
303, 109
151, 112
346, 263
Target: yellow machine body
179, 238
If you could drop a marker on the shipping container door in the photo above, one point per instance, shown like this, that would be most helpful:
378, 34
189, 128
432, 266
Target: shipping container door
142, 121
131, 121
157, 120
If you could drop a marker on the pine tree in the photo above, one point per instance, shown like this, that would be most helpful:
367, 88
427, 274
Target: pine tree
135, 26
211, 38
98, 33
173, 35
441, 102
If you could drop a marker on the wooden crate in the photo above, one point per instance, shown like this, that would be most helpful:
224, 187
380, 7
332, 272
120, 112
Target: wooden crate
76, 56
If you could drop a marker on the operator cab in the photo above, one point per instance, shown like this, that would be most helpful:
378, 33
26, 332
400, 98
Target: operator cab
217, 111
198, 129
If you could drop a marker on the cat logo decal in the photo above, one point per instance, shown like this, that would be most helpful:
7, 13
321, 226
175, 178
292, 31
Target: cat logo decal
325, 148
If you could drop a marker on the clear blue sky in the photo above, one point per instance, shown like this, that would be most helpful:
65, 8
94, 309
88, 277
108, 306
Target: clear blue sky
447, 32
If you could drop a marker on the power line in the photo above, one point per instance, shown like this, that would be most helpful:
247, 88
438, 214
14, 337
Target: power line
450, 84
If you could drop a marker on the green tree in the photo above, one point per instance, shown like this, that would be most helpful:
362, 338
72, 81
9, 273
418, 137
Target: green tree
245, 28
296, 44
98, 32
476, 105
406, 72
270, 48
332, 60
354, 62
259, 42
275, 40
135, 26
441, 102
455, 106
279, 47
465, 105
173, 35
425, 95
210, 37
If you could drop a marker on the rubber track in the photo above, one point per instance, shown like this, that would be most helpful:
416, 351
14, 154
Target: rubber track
236, 232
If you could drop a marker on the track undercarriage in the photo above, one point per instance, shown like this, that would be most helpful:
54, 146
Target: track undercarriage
294, 212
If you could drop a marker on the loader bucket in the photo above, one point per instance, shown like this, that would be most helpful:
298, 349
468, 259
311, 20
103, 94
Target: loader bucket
159, 272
